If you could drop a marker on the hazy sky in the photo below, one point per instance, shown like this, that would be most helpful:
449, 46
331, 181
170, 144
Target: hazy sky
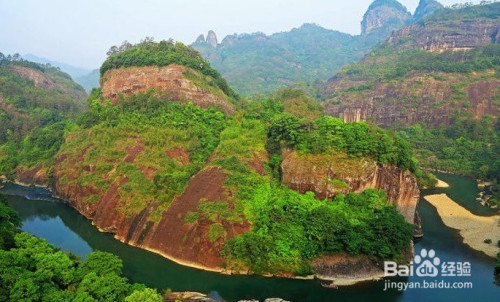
81, 32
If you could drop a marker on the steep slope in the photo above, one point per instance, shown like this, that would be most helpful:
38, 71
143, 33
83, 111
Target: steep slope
428, 72
199, 186
425, 8
36, 102
437, 83
384, 16
165, 66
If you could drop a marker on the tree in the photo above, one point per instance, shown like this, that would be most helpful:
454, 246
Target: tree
145, 295
100, 263
9, 223
109, 287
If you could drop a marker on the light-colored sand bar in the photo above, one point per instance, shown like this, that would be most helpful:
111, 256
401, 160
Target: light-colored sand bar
442, 184
473, 228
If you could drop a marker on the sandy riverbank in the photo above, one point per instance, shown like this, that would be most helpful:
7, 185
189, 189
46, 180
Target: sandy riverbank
473, 228
442, 184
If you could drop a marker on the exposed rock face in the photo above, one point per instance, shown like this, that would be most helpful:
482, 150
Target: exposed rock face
41, 79
34, 176
425, 8
350, 269
212, 38
454, 35
168, 234
169, 78
321, 174
385, 15
419, 98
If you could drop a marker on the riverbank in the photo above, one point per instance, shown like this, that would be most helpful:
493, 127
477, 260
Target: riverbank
441, 184
474, 229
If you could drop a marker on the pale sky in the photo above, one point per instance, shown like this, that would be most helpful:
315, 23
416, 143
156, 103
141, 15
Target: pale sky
80, 32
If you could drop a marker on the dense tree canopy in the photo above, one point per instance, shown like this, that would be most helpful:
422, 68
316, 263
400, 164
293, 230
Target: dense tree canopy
31, 269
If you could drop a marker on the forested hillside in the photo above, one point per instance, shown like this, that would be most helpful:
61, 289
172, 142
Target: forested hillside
36, 103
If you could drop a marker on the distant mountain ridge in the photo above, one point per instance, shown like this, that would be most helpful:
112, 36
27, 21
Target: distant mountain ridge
258, 63
73, 71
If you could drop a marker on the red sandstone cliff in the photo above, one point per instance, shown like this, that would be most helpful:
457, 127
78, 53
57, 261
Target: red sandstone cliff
323, 173
169, 78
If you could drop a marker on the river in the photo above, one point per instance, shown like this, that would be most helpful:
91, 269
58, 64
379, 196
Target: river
64, 227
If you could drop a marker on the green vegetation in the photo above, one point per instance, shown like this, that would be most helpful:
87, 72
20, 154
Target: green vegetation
148, 53
33, 270
467, 146
258, 64
34, 117
9, 224
170, 140
389, 63
326, 133
457, 141
290, 228
147, 147
486, 10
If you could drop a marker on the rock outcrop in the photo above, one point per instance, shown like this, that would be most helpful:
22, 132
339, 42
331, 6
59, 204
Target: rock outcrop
425, 8
419, 98
433, 97
212, 38
167, 233
443, 35
384, 15
330, 174
169, 78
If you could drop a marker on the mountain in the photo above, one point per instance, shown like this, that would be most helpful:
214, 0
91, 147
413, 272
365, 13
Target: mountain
73, 71
437, 82
384, 16
36, 103
170, 159
258, 63
425, 8
89, 81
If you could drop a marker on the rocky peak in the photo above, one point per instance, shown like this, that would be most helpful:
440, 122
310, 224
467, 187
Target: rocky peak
385, 15
200, 39
212, 38
425, 8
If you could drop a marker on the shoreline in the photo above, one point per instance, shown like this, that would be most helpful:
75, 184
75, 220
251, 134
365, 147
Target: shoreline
441, 184
340, 281
473, 229
345, 281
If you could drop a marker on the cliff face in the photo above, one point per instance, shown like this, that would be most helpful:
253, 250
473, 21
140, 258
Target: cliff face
384, 15
422, 92
443, 35
158, 227
330, 174
419, 98
170, 78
